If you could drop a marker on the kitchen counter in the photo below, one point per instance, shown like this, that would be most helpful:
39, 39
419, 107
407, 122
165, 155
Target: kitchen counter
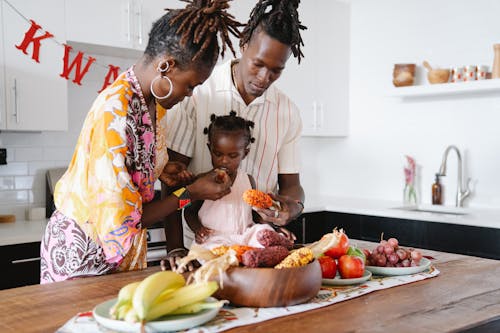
32, 231
489, 218
20, 232
464, 295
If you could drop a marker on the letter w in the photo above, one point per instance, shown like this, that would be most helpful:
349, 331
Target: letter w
79, 73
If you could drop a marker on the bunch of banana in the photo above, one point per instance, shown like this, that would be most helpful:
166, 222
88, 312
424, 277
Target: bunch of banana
161, 294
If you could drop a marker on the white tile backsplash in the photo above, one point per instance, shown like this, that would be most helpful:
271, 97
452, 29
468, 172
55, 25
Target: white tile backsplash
57, 153
14, 197
28, 154
14, 169
24, 182
6, 183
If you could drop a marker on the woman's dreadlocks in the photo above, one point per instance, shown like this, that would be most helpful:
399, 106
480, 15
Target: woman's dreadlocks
190, 34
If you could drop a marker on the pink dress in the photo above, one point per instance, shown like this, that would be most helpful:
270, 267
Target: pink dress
231, 218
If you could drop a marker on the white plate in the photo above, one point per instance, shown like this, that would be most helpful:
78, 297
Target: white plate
338, 281
170, 323
388, 271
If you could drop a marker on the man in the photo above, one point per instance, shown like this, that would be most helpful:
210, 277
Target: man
245, 86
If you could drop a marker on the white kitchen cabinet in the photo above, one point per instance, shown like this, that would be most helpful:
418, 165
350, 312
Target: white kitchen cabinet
320, 84
35, 94
113, 23
3, 111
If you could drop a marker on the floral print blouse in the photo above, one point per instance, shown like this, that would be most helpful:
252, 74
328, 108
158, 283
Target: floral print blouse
116, 162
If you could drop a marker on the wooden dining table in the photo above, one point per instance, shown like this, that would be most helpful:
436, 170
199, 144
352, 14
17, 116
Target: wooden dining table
464, 297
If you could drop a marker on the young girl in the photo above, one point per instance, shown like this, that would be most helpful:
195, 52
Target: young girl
229, 220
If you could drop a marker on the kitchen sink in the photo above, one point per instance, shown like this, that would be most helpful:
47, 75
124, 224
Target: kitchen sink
438, 209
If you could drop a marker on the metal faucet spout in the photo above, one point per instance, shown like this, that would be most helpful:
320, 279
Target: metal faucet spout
461, 192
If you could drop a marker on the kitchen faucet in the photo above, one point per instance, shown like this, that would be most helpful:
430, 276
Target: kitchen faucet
461, 193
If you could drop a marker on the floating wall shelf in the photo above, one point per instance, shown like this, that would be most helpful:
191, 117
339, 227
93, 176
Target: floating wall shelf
443, 89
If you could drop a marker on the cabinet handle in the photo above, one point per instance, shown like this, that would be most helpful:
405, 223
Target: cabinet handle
20, 261
15, 112
127, 13
139, 20
315, 115
321, 115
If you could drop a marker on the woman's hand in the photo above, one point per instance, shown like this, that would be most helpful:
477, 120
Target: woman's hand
202, 234
209, 186
170, 262
289, 211
176, 174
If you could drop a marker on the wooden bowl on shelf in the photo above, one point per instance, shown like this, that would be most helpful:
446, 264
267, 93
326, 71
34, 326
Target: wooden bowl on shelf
438, 76
270, 287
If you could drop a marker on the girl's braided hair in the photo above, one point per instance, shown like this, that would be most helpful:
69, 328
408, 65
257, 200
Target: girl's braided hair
230, 123
280, 20
190, 34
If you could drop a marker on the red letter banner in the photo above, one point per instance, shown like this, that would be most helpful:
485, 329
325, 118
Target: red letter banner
29, 37
110, 77
79, 74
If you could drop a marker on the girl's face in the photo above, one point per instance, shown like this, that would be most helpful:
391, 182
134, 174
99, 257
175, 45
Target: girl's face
228, 149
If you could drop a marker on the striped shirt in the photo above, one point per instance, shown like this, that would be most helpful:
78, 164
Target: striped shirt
276, 132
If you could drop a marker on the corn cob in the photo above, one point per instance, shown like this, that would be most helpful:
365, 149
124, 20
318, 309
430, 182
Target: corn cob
239, 249
257, 198
297, 258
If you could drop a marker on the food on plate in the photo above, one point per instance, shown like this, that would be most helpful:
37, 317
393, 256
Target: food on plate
257, 198
340, 248
388, 253
351, 267
297, 258
328, 267
354, 251
264, 257
162, 293
268, 237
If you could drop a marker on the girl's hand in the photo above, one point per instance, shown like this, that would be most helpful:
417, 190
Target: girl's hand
176, 174
289, 211
202, 234
287, 233
209, 186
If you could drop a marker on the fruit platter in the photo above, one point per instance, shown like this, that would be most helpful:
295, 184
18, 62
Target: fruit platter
276, 274
388, 258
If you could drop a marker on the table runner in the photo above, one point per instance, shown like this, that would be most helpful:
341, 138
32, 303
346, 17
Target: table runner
230, 317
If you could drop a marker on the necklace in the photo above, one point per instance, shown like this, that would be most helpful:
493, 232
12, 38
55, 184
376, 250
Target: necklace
233, 74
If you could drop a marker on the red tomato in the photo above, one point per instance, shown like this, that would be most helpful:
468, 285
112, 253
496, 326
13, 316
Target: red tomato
340, 249
328, 267
351, 267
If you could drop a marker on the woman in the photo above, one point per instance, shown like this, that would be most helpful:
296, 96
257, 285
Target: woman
103, 201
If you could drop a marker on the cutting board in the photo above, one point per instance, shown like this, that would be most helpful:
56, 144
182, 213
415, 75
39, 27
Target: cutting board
7, 218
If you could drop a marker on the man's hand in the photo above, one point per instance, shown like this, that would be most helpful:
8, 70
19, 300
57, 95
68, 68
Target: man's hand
289, 211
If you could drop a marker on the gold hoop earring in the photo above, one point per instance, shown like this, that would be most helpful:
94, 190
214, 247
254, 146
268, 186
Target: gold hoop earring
162, 69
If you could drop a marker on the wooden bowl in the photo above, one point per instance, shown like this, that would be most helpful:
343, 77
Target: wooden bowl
438, 76
270, 287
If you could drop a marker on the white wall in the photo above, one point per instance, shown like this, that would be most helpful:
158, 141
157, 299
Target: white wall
369, 163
